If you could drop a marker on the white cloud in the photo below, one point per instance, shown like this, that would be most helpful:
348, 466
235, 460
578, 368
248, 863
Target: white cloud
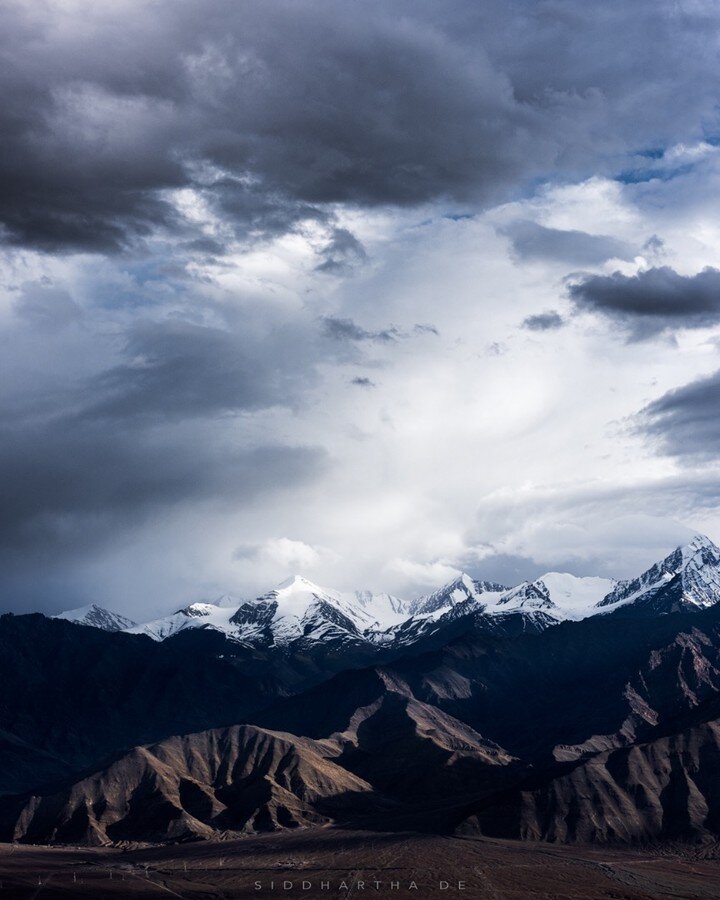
434, 574
285, 555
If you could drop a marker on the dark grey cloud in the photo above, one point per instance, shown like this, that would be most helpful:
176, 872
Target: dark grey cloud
545, 321
179, 369
533, 241
247, 551
253, 210
654, 246
72, 493
236, 100
652, 301
347, 330
276, 111
507, 568
74, 490
363, 382
68, 486
158, 431
685, 422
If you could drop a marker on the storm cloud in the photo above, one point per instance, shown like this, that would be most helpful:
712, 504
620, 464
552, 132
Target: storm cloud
685, 422
273, 113
183, 370
159, 429
66, 489
653, 301
235, 101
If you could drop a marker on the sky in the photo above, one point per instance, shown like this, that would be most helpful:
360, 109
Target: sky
372, 292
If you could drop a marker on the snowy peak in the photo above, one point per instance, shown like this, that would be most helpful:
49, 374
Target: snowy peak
296, 595
299, 610
701, 572
529, 594
462, 589
559, 594
700, 552
295, 583
96, 617
384, 608
688, 578
197, 610
303, 609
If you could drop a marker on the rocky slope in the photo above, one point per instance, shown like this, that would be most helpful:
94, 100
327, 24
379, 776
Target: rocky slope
240, 779
390, 753
664, 789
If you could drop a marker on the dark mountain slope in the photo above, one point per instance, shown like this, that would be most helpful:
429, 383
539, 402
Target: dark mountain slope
573, 689
664, 789
415, 753
78, 694
395, 756
577, 682
74, 696
22, 765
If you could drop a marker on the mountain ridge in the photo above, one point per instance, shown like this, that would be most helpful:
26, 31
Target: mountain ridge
300, 613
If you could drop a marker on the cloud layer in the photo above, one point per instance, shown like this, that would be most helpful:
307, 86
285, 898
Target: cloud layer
274, 112
305, 284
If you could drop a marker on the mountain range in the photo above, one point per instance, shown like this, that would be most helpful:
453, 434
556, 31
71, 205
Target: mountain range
564, 709
299, 611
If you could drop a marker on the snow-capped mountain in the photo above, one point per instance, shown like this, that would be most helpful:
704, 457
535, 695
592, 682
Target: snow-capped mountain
296, 610
689, 578
301, 613
461, 590
558, 594
196, 615
550, 599
385, 608
97, 617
